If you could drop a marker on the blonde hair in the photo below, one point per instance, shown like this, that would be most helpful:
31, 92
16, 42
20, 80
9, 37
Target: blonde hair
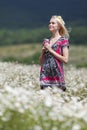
63, 30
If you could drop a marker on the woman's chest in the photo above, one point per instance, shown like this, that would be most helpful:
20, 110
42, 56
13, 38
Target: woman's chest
56, 46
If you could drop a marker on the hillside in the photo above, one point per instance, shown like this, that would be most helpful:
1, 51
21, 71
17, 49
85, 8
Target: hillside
28, 13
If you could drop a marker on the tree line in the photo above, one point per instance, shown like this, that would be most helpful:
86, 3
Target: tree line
78, 35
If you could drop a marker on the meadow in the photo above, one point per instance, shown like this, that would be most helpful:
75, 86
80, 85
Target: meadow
29, 54
23, 106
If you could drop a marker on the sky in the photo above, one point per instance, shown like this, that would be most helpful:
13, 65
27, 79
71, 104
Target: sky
41, 10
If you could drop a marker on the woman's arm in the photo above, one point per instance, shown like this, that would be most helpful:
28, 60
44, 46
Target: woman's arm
42, 55
64, 57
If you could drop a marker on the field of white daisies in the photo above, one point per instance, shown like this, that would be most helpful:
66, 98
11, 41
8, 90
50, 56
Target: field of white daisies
23, 106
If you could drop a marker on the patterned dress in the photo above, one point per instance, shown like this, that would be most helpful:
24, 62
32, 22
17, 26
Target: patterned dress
52, 73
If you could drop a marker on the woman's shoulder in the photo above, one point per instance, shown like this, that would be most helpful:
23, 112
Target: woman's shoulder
63, 41
62, 38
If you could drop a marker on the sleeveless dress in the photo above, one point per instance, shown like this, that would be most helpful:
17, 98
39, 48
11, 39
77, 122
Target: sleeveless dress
51, 72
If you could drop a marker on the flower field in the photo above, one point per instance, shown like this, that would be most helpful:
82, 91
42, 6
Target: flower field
23, 106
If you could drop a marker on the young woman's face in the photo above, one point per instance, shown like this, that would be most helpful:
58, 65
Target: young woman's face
53, 25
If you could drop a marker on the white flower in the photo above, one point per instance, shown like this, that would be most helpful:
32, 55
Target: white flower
37, 127
76, 127
48, 101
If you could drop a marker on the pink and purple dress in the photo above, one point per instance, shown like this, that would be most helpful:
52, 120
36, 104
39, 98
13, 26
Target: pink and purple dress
52, 73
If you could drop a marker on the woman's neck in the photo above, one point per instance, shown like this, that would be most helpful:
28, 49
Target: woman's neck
54, 38
55, 35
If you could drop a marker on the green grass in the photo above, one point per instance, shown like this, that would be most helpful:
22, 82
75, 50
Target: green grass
26, 53
78, 55
29, 54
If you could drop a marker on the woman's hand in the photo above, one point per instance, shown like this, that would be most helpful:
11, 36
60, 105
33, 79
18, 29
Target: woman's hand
43, 50
47, 46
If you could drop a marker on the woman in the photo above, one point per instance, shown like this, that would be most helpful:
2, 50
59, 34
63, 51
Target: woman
54, 53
